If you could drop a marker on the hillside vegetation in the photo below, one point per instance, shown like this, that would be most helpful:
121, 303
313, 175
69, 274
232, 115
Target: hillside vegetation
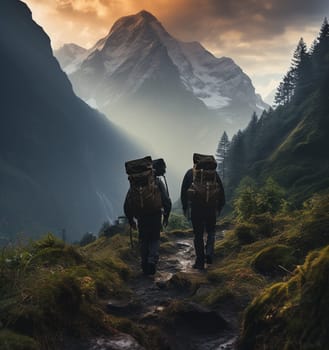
276, 263
290, 143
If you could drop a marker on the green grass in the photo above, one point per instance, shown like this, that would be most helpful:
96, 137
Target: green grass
49, 289
292, 314
10, 340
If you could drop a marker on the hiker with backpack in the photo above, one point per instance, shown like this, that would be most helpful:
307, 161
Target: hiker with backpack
202, 195
147, 201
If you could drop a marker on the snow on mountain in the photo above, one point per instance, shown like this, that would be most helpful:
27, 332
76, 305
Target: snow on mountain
217, 82
171, 95
69, 53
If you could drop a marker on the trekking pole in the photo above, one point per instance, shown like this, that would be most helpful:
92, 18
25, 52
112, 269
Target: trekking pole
131, 238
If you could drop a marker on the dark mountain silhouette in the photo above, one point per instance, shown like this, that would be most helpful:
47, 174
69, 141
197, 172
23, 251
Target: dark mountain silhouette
61, 162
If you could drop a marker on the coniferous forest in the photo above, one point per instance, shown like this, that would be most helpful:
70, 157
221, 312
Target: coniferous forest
289, 143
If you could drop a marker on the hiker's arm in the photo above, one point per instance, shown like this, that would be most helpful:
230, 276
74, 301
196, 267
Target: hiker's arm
221, 195
166, 202
187, 182
127, 208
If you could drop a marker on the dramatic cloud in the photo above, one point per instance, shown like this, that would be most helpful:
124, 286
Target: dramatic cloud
260, 35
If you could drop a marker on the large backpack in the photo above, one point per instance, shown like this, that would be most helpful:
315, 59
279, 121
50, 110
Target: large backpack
144, 193
159, 168
205, 188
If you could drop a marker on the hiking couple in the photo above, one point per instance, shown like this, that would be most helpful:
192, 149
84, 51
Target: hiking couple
147, 201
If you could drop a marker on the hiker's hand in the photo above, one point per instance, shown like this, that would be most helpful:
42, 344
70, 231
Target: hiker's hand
165, 221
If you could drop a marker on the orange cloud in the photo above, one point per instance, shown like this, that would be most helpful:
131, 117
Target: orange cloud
241, 29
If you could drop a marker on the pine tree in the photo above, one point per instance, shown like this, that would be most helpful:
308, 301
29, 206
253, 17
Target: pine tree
320, 55
301, 66
222, 154
236, 161
250, 134
286, 89
324, 31
279, 95
297, 78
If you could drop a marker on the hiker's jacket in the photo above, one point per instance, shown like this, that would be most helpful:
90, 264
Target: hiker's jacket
166, 203
187, 182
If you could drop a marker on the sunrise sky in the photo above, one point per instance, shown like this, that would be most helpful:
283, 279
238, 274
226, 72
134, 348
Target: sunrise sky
259, 35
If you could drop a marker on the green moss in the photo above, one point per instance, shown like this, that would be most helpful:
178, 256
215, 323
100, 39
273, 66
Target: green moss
264, 224
220, 296
56, 289
274, 260
188, 282
48, 241
311, 230
292, 314
246, 233
10, 340
227, 246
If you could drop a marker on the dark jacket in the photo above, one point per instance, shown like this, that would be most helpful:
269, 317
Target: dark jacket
166, 203
187, 182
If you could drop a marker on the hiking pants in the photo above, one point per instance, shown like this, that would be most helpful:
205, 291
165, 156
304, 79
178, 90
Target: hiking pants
203, 220
149, 227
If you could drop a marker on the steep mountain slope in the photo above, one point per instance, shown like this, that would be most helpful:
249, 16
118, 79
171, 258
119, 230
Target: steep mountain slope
61, 162
301, 162
290, 143
163, 89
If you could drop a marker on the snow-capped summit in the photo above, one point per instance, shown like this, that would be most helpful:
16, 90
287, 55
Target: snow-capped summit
131, 48
169, 93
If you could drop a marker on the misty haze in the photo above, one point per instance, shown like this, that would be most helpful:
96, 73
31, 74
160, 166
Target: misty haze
175, 98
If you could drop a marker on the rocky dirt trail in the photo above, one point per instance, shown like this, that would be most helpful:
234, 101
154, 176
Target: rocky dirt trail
194, 327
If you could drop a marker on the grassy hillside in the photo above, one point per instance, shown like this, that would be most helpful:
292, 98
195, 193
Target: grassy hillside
51, 293
290, 143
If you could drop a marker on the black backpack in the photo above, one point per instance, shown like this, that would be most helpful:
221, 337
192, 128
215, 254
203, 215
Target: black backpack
159, 168
144, 193
205, 188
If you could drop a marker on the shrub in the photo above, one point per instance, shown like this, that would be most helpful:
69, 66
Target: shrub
250, 200
312, 232
264, 223
87, 238
269, 260
177, 221
246, 233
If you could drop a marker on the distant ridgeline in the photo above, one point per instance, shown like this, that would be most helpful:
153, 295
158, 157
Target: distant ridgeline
289, 144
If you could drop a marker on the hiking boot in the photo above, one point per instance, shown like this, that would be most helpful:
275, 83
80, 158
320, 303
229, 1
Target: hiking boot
208, 259
199, 266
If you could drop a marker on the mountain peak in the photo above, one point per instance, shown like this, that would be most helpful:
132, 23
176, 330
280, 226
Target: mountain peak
146, 16
132, 22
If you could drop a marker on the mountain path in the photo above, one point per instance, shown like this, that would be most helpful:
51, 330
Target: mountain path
152, 295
